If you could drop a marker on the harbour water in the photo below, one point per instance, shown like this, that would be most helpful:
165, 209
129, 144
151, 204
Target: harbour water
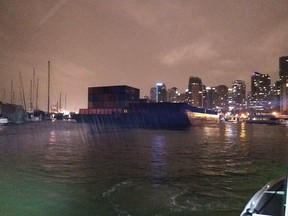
64, 168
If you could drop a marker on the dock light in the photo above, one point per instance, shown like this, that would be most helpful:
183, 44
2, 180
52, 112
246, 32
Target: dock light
244, 115
275, 113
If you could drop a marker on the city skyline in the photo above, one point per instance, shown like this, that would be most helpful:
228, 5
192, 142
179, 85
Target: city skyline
136, 43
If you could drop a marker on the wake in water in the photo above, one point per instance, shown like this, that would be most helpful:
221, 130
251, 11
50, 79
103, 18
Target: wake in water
133, 196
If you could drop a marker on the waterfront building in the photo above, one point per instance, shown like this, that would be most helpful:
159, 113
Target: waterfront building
153, 94
195, 88
161, 93
231, 105
221, 98
283, 68
239, 95
14, 113
216, 98
209, 97
184, 97
283, 76
260, 90
260, 86
173, 95
275, 95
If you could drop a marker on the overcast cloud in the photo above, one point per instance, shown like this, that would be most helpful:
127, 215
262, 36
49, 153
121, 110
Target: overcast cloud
138, 43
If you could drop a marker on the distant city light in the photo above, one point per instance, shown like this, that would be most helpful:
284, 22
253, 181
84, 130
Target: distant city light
274, 113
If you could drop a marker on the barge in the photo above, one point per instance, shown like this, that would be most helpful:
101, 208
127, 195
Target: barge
149, 115
121, 105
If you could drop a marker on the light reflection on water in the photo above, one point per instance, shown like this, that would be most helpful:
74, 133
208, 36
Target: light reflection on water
158, 161
243, 131
61, 168
52, 138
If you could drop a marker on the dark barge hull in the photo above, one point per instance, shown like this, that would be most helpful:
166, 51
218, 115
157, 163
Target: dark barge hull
147, 115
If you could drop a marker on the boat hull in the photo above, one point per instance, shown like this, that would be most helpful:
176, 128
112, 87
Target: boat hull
268, 120
267, 201
153, 115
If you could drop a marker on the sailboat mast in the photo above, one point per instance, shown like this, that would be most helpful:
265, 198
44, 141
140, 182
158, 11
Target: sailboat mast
31, 105
4, 97
60, 104
11, 101
48, 106
65, 101
22, 87
20, 93
37, 87
33, 89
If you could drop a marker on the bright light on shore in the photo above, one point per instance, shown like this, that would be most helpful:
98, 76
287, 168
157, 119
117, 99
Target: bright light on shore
275, 113
66, 112
243, 115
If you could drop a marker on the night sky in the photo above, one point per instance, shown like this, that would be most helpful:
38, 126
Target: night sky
137, 43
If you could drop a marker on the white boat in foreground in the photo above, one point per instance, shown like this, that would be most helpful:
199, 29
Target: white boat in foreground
269, 201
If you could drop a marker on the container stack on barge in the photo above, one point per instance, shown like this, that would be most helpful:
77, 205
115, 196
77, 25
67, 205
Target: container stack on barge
121, 105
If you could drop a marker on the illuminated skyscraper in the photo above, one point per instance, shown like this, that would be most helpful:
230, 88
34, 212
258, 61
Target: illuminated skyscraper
161, 93
239, 94
209, 98
260, 86
283, 76
221, 98
283, 68
216, 98
275, 95
173, 95
195, 88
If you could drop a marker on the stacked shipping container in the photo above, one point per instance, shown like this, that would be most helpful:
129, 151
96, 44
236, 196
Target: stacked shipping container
110, 99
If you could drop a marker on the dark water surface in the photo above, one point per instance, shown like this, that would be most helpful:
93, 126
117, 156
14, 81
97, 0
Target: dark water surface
62, 168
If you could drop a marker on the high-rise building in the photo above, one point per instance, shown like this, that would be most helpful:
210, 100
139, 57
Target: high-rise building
283, 76
275, 95
283, 68
221, 98
231, 105
260, 87
239, 94
173, 95
184, 97
195, 88
209, 98
153, 94
216, 98
161, 93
